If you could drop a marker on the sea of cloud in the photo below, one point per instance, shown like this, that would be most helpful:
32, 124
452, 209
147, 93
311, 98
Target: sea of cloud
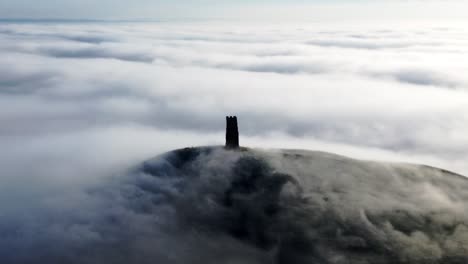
82, 101
120, 92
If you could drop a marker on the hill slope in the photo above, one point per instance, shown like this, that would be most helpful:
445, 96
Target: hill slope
293, 206
213, 206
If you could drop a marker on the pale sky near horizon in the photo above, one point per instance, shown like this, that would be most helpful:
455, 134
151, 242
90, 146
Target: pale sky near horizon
279, 10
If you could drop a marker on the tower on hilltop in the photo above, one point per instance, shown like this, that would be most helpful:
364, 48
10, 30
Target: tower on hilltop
232, 132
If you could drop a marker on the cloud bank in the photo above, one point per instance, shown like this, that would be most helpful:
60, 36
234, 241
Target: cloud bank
81, 102
401, 91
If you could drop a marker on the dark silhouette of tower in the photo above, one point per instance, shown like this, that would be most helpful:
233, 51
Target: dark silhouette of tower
232, 132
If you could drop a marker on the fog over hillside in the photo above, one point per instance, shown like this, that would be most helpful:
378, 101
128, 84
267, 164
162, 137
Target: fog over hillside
209, 205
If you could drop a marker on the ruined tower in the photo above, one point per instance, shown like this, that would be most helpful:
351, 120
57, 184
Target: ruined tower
232, 132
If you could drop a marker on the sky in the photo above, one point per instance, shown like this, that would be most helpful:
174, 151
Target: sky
278, 10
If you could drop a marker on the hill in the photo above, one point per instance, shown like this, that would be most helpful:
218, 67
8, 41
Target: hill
297, 206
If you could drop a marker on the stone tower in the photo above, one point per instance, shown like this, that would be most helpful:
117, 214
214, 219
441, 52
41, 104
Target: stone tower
232, 132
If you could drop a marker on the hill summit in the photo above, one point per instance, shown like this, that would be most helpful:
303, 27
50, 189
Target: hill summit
297, 206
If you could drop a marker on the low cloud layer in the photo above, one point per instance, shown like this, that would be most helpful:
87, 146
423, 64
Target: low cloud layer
81, 102
401, 91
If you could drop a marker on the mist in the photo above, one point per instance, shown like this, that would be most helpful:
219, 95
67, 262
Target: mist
83, 103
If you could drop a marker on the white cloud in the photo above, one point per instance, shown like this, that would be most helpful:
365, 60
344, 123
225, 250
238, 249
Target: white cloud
401, 90
81, 102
